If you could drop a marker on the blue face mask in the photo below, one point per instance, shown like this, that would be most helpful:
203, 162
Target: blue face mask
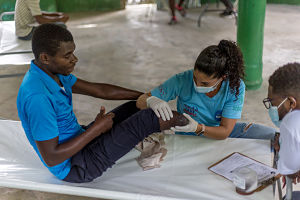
201, 89
273, 113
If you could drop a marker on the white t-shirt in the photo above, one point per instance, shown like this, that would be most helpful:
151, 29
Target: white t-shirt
289, 153
25, 10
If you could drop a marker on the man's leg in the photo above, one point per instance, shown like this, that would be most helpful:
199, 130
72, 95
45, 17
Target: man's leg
252, 131
124, 111
29, 36
229, 8
180, 3
180, 8
172, 8
105, 150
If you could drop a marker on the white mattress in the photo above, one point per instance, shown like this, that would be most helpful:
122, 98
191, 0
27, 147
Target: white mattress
183, 174
11, 47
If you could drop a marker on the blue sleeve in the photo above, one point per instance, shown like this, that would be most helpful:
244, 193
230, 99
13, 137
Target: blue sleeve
41, 117
70, 80
169, 90
234, 105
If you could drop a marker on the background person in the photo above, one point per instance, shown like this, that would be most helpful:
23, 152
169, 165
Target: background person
228, 11
28, 12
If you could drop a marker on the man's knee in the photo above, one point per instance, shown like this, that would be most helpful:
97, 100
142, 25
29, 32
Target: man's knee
146, 113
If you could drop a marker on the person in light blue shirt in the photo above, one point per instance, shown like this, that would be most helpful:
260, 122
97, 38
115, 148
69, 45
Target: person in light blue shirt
211, 96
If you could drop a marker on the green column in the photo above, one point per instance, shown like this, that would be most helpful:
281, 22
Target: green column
250, 37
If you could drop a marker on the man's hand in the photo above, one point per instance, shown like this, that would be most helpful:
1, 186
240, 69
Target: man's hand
160, 107
54, 152
104, 121
191, 127
295, 178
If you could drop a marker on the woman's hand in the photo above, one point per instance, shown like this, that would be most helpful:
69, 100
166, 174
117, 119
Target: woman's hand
160, 107
191, 127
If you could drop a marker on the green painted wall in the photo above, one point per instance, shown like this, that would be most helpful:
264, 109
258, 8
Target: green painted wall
6, 5
67, 5
87, 5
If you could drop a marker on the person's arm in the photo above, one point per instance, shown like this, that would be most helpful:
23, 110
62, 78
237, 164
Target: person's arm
52, 13
54, 153
160, 107
219, 133
43, 125
158, 97
104, 91
141, 102
43, 19
231, 113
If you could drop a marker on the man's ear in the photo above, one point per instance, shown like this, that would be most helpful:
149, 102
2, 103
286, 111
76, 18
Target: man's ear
293, 102
44, 58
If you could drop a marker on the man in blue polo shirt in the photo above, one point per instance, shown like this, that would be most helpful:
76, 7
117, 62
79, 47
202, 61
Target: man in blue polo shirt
71, 152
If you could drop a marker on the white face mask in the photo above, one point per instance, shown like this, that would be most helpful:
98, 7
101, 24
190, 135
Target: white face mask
201, 89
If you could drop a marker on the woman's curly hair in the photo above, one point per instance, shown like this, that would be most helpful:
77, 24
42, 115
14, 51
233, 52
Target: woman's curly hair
224, 59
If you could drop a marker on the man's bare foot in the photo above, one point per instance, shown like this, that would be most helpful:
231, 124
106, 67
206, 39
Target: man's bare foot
177, 120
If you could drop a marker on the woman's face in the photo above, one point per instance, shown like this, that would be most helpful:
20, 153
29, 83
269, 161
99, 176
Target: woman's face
201, 79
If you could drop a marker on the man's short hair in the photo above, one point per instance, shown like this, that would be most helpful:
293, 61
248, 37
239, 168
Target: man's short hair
285, 80
47, 37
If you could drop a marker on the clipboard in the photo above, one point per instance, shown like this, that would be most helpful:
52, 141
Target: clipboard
262, 184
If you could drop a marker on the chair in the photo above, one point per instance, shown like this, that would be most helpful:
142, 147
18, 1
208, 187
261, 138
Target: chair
6, 14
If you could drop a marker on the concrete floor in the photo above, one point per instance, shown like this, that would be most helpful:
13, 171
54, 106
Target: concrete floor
135, 48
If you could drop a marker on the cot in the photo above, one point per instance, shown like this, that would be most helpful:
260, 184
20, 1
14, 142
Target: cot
183, 174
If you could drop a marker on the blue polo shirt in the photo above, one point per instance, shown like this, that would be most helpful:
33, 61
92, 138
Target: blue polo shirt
203, 109
46, 112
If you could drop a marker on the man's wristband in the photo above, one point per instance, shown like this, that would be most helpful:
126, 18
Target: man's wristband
202, 130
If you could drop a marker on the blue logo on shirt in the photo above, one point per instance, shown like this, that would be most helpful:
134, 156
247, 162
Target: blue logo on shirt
218, 115
162, 92
190, 110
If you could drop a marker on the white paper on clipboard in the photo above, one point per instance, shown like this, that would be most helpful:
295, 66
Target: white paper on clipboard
236, 160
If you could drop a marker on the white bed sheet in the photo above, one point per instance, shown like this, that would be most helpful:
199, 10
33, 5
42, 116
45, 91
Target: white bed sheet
9, 41
183, 174
11, 46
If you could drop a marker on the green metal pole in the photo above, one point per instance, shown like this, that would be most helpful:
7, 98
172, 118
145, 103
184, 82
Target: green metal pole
250, 37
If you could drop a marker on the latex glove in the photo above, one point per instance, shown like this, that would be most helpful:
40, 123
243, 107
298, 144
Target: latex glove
191, 127
160, 107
